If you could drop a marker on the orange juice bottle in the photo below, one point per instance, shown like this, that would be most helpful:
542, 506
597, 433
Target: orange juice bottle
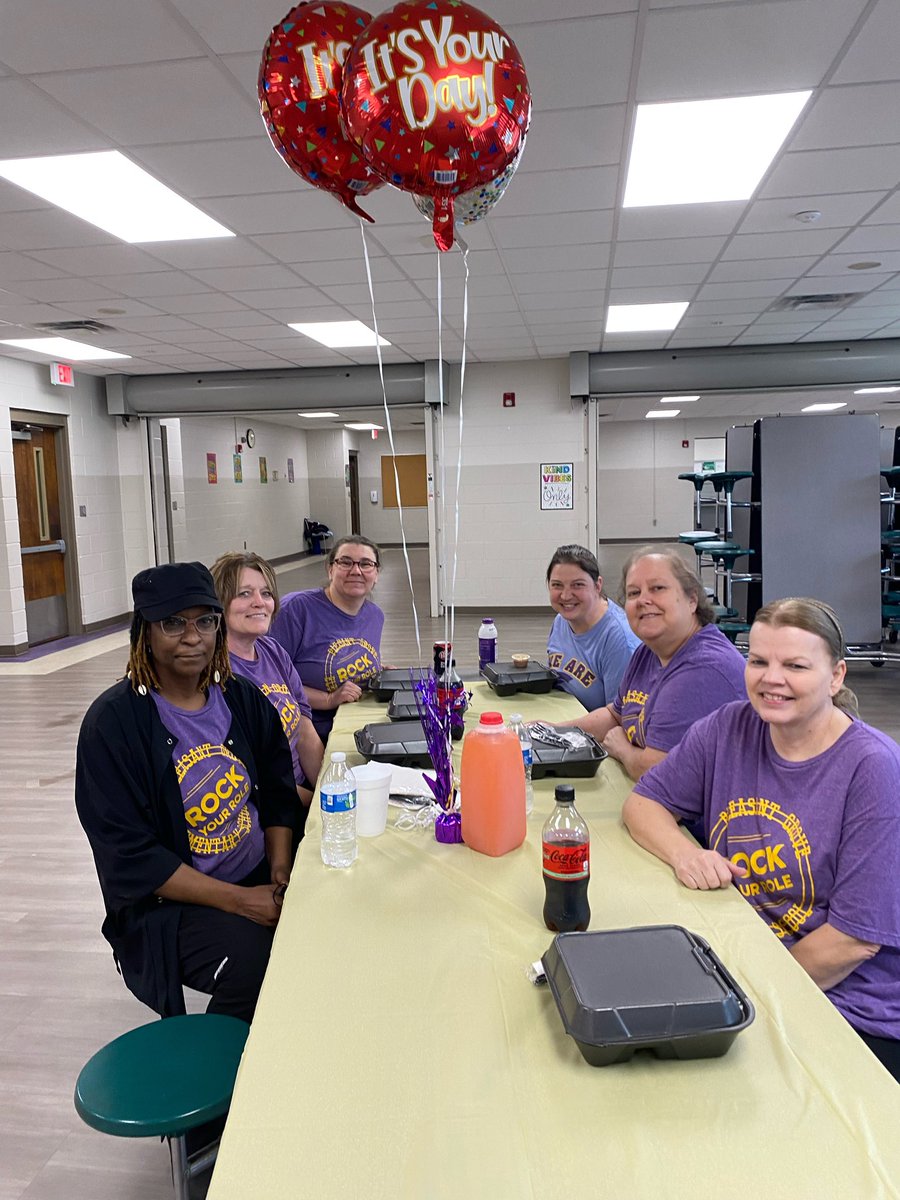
492, 787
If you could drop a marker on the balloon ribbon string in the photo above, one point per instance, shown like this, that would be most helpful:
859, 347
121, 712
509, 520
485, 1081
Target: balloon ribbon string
390, 429
442, 456
464, 250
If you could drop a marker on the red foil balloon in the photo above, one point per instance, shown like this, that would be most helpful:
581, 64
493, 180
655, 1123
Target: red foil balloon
436, 97
299, 98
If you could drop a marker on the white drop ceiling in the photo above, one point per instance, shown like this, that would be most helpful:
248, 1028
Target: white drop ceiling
172, 84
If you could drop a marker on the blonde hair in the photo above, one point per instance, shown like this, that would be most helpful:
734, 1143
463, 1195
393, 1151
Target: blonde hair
814, 616
687, 579
226, 573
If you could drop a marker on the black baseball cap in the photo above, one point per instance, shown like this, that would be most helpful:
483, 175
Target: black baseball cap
160, 592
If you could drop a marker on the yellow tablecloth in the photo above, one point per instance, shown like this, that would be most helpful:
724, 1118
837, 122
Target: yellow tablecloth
400, 1053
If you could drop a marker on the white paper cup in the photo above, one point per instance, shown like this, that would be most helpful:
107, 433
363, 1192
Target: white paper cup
373, 787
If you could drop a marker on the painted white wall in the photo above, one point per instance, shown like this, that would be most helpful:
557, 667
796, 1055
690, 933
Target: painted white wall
329, 497
214, 517
505, 540
108, 478
382, 524
639, 494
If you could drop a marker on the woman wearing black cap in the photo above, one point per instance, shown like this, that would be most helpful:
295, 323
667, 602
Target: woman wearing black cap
184, 786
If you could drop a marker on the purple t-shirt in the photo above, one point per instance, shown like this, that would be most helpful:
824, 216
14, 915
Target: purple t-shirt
327, 646
224, 833
274, 675
657, 704
820, 839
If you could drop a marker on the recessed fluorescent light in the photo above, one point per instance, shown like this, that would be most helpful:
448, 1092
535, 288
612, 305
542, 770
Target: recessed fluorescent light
363, 425
831, 406
64, 348
701, 151
875, 391
643, 318
678, 399
114, 194
657, 414
317, 414
337, 334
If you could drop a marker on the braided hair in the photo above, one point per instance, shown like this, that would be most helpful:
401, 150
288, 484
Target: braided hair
142, 671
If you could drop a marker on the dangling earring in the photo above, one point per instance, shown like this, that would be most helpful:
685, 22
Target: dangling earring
217, 678
142, 691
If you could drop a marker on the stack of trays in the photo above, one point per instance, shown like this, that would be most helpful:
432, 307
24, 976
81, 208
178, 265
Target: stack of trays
658, 988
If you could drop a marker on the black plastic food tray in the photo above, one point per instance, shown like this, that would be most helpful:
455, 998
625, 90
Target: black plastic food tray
395, 679
656, 987
403, 708
569, 764
506, 679
399, 742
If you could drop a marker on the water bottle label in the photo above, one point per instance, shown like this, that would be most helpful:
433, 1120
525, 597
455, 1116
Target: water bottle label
487, 650
338, 802
567, 860
527, 756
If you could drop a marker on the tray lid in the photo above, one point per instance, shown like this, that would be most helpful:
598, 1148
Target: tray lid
504, 673
391, 737
640, 985
544, 753
397, 679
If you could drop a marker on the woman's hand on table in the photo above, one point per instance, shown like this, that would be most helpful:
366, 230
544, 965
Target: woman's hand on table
347, 693
705, 870
616, 742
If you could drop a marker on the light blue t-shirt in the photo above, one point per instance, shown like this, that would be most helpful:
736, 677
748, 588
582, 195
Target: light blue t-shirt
590, 665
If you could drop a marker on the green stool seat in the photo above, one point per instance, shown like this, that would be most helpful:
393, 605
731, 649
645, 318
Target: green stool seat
889, 537
891, 474
719, 551
164, 1078
727, 479
691, 536
721, 613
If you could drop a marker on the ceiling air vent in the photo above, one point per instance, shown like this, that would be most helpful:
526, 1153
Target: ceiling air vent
814, 301
85, 326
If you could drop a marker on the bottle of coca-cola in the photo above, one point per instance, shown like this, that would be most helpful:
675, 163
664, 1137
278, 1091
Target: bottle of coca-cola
567, 869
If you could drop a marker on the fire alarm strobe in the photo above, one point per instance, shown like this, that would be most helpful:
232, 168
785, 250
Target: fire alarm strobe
509, 399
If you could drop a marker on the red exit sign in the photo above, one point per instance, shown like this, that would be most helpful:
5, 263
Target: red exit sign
62, 373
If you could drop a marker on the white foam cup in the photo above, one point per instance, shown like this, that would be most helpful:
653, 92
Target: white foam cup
373, 787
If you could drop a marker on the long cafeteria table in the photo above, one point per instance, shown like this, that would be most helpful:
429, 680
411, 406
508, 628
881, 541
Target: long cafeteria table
400, 1052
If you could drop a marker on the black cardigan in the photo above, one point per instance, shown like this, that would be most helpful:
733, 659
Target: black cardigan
130, 805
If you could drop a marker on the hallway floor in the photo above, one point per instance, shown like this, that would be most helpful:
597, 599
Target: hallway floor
60, 998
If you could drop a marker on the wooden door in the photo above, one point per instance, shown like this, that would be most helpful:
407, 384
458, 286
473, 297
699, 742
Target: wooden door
40, 535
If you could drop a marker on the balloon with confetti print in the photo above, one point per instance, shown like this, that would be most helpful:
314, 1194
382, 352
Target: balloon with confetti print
436, 97
469, 207
299, 98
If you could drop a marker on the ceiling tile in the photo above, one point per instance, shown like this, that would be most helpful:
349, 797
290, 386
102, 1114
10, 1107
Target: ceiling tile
838, 211
561, 191
741, 49
826, 172
589, 137
597, 52
580, 227
873, 52
33, 123
677, 250
856, 115
806, 239
678, 221
156, 102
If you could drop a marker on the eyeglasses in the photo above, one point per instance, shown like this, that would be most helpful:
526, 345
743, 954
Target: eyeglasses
366, 565
176, 627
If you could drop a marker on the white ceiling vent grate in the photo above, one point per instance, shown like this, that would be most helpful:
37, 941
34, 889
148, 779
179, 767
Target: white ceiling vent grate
815, 300
80, 326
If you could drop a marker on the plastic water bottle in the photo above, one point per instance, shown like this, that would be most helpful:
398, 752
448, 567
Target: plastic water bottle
518, 726
487, 642
337, 795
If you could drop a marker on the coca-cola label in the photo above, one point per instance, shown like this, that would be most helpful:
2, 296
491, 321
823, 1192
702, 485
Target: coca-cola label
567, 860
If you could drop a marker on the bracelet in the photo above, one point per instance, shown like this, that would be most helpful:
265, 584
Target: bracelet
278, 894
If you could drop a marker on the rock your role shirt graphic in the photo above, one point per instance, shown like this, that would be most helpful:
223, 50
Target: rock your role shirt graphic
816, 838
224, 833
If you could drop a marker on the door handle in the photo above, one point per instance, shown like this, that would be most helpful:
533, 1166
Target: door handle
58, 547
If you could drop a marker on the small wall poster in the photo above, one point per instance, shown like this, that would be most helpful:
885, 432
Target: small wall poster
290, 470
212, 471
263, 470
238, 465
557, 489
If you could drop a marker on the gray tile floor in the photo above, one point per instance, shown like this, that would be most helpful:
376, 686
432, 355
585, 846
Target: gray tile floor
60, 997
